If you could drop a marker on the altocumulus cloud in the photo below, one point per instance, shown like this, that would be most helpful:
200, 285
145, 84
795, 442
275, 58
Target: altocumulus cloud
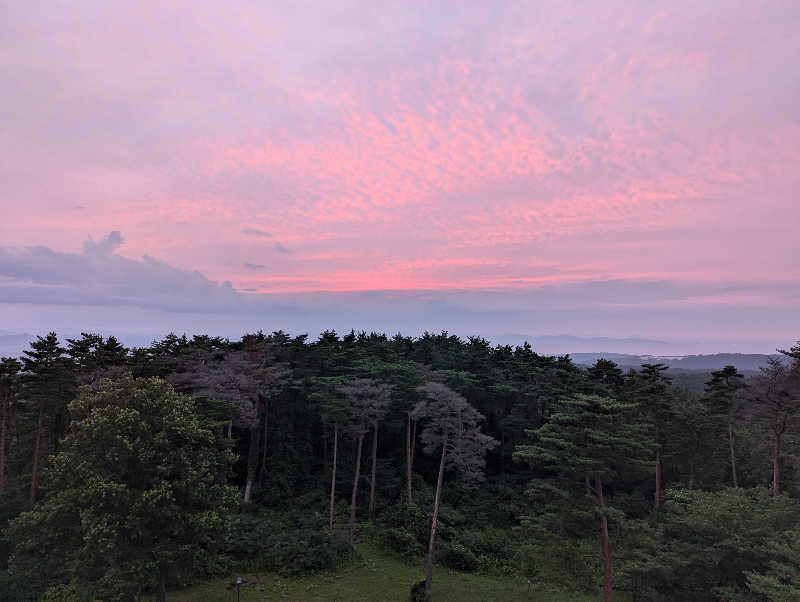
99, 276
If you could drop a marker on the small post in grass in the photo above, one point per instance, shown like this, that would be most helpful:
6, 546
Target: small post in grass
238, 585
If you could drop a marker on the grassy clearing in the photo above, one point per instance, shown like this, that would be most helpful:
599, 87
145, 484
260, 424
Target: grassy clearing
375, 577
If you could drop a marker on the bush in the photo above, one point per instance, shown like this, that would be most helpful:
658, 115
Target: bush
402, 542
419, 593
572, 564
405, 531
493, 549
457, 556
61, 593
286, 544
301, 552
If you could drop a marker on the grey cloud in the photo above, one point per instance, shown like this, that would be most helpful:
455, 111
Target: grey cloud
107, 246
254, 266
73, 290
280, 248
256, 232
98, 276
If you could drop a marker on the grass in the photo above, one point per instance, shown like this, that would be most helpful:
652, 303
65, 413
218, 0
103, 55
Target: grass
375, 577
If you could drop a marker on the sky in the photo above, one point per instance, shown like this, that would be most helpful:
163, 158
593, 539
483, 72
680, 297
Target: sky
597, 169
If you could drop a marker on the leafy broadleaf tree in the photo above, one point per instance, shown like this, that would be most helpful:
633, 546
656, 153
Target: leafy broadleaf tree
589, 442
137, 490
451, 429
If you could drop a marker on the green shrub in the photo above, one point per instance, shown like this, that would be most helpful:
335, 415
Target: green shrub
286, 544
404, 531
419, 593
457, 556
402, 542
61, 593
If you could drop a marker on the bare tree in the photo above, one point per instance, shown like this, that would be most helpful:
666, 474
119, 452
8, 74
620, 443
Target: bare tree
451, 429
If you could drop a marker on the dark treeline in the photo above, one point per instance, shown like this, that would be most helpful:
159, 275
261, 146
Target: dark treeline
127, 471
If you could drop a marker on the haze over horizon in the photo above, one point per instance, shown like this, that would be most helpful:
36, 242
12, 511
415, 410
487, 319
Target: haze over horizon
625, 174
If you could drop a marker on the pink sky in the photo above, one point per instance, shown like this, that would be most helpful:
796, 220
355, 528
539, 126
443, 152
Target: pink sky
447, 146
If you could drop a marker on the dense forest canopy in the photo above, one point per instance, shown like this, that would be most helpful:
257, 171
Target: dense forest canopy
124, 472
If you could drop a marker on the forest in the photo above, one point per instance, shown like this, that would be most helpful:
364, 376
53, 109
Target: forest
128, 474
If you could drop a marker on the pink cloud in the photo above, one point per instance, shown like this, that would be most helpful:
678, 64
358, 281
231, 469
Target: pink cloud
537, 144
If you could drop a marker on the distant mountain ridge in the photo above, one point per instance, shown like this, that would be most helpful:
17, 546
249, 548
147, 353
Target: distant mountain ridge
744, 362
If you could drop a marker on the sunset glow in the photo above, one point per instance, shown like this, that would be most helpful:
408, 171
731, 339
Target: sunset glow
434, 148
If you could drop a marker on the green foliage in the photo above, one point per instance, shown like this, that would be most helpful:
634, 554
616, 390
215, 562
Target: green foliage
287, 544
419, 593
404, 531
275, 400
780, 580
705, 545
62, 593
570, 563
137, 489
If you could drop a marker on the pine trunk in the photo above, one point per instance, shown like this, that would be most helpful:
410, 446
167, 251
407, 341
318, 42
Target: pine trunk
604, 542
252, 461
776, 465
657, 502
333, 474
432, 541
374, 465
408, 459
352, 529
161, 592
3, 429
413, 441
733, 455
35, 471
263, 469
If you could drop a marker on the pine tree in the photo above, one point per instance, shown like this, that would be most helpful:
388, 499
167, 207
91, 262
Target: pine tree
775, 396
49, 385
588, 443
9, 390
722, 396
654, 397
452, 430
367, 402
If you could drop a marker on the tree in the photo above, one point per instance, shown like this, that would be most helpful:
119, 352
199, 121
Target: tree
50, 385
781, 579
367, 401
332, 408
236, 377
9, 389
776, 397
589, 442
703, 545
721, 395
452, 429
655, 400
137, 490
